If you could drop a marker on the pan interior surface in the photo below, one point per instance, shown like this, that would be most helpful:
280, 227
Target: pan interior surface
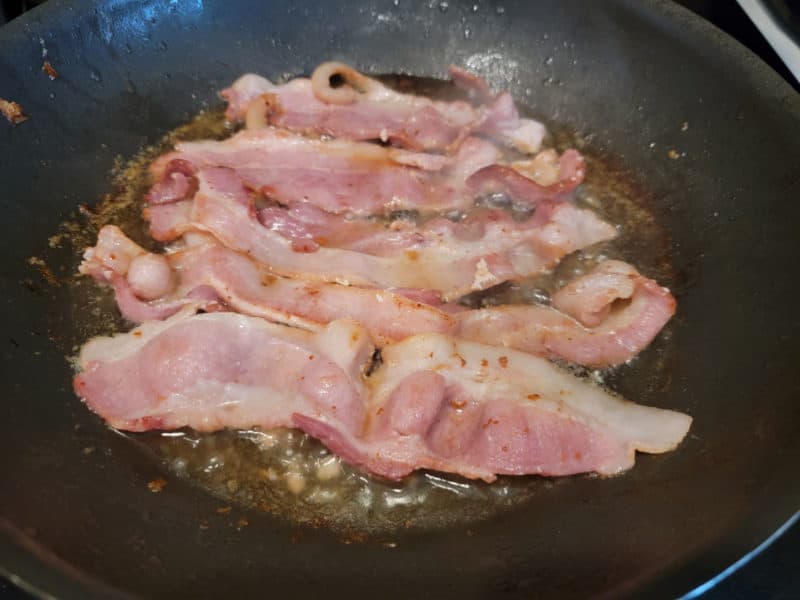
638, 79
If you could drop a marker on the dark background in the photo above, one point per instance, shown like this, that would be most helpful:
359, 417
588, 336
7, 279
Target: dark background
775, 573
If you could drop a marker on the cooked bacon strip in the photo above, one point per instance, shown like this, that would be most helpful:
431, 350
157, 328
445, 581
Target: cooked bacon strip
365, 109
228, 278
447, 262
434, 403
612, 335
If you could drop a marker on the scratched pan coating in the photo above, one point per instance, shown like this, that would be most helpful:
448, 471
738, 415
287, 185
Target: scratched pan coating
76, 514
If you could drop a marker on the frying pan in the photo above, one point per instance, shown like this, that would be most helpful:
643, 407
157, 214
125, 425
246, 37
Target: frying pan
627, 73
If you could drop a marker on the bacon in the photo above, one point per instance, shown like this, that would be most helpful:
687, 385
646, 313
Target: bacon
602, 335
447, 262
177, 182
335, 176
362, 108
599, 337
434, 403
234, 281
362, 178
217, 370
508, 180
309, 228
292, 257
356, 177
500, 119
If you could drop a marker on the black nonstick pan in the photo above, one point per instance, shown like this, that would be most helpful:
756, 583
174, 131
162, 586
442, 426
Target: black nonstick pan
627, 74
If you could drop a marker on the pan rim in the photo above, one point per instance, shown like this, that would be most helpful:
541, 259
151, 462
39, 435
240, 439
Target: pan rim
753, 68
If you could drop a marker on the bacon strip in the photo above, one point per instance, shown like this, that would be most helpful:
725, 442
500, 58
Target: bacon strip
504, 179
434, 403
507, 249
601, 338
602, 335
229, 279
362, 108
357, 177
217, 370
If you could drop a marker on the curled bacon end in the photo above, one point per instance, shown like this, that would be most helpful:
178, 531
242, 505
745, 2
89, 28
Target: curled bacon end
353, 82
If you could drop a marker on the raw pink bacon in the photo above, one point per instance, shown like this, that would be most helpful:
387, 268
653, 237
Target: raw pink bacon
298, 244
356, 177
451, 264
601, 336
435, 402
229, 279
365, 109
212, 276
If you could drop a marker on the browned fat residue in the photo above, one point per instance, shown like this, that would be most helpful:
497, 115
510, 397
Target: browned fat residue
461, 359
504, 448
49, 70
137, 333
578, 456
12, 111
534, 396
44, 271
503, 360
379, 411
272, 107
156, 485
310, 357
484, 363
457, 404
490, 421
355, 337
412, 255
224, 510
267, 280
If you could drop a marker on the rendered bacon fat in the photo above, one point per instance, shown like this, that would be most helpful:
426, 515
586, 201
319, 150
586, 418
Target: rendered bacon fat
435, 402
